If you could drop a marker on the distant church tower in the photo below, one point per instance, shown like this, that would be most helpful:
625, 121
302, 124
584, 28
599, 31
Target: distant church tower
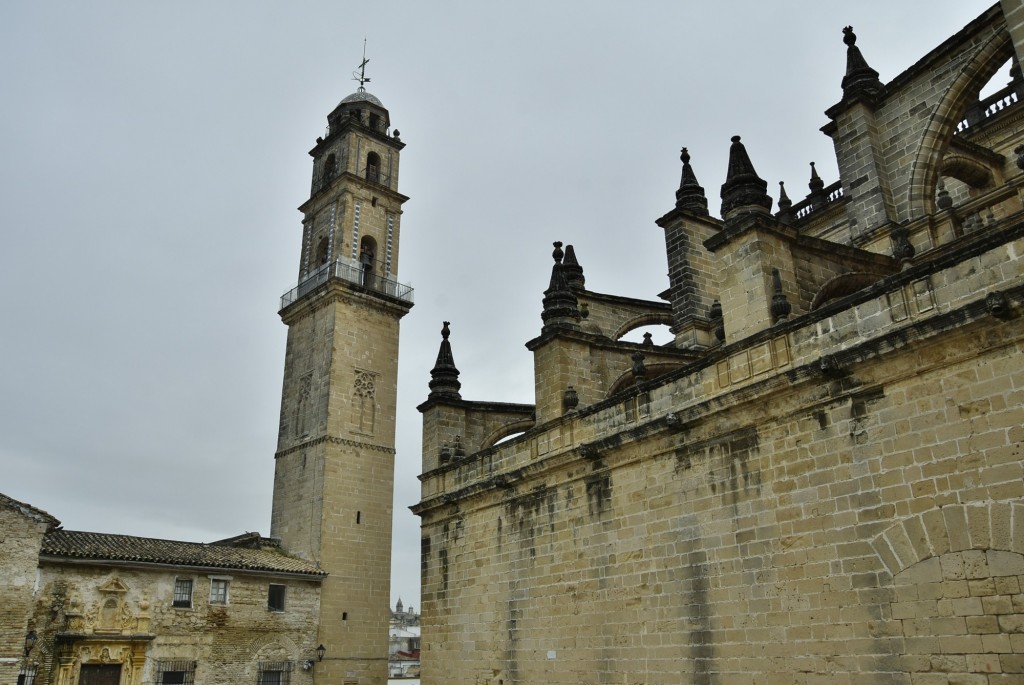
335, 458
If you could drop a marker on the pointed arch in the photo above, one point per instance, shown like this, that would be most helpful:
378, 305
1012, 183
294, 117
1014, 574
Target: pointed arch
924, 173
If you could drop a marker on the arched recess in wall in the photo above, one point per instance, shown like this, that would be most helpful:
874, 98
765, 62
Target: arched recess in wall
957, 527
645, 319
368, 250
627, 379
272, 647
373, 167
968, 170
841, 286
509, 430
955, 575
322, 251
368, 261
935, 142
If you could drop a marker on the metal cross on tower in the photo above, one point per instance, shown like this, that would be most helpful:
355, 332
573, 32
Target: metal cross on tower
361, 77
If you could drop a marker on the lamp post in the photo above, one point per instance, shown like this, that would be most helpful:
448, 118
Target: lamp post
308, 663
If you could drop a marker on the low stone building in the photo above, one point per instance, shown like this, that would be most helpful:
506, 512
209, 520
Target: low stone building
819, 480
102, 609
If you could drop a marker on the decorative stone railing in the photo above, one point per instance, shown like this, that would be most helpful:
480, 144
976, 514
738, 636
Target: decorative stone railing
812, 202
998, 102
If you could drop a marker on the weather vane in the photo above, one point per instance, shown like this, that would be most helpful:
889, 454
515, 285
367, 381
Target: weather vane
361, 74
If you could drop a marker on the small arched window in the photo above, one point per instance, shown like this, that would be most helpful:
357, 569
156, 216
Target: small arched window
330, 167
368, 260
373, 167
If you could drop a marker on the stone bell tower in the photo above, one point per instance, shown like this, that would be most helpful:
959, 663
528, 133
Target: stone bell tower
334, 469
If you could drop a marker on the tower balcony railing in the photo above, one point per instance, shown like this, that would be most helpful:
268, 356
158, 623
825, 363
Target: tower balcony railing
351, 272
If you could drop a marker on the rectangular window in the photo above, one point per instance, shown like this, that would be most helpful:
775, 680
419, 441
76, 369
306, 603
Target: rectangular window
182, 593
218, 591
175, 672
275, 598
275, 673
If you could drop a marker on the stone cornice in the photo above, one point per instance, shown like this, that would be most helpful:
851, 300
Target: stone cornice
673, 422
335, 441
841, 359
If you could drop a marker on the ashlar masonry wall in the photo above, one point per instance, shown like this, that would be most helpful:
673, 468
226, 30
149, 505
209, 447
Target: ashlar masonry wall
769, 518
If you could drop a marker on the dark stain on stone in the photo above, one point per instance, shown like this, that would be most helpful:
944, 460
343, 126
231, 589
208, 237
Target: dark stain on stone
442, 556
860, 408
424, 556
599, 494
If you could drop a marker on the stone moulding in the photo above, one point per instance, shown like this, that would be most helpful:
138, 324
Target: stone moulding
804, 358
335, 441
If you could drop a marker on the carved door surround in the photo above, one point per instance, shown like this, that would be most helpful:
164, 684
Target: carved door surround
98, 658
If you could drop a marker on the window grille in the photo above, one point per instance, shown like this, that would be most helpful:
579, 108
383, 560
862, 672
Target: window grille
182, 592
27, 675
179, 672
275, 672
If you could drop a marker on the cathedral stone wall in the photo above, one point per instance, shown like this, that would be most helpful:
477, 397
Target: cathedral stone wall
834, 493
753, 524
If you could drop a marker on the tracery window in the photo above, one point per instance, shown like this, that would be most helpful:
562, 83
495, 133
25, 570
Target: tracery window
365, 404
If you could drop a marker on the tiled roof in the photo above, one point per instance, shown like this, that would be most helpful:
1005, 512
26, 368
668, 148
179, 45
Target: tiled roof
28, 510
107, 547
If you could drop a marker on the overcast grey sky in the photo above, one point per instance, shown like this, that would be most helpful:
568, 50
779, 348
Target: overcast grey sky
152, 156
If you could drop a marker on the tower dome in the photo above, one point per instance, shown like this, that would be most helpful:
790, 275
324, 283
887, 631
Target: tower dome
362, 95
360, 107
